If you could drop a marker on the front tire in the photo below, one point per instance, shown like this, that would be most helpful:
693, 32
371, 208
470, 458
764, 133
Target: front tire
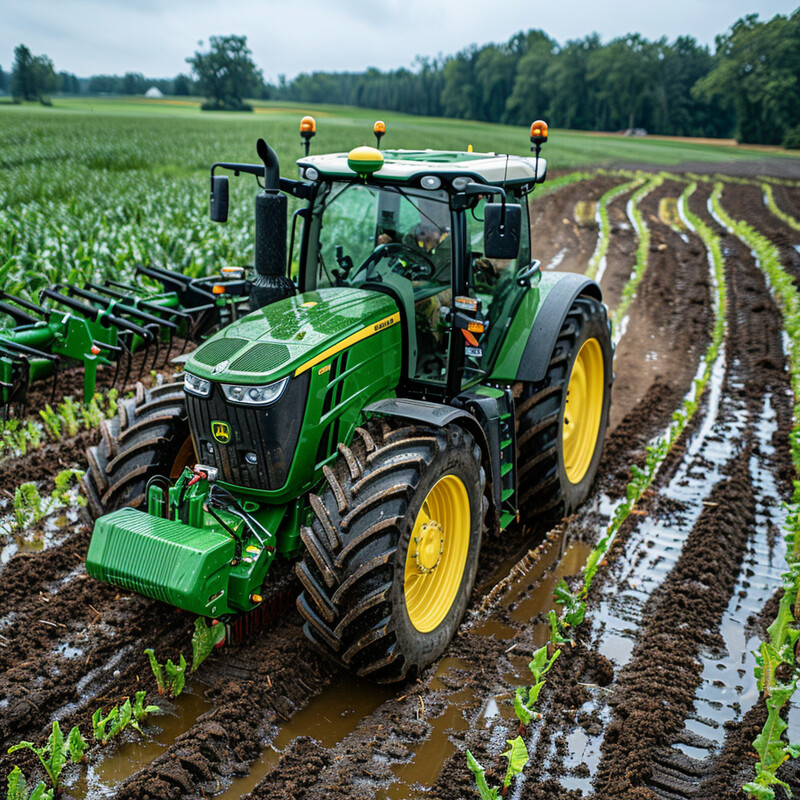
562, 420
393, 548
149, 436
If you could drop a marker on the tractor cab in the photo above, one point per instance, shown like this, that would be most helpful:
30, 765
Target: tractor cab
445, 234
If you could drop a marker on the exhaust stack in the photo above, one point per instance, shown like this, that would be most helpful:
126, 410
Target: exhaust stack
270, 282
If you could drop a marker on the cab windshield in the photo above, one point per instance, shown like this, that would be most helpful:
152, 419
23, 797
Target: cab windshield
367, 231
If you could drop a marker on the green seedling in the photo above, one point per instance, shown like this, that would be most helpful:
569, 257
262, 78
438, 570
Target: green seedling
170, 678
53, 755
141, 711
204, 639
18, 788
105, 728
525, 706
517, 755
53, 425
69, 411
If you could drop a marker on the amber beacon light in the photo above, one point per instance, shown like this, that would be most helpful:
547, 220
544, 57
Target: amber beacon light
308, 128
379, 128
539, 132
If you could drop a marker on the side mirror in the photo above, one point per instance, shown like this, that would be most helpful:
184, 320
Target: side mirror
218, 203
502, 224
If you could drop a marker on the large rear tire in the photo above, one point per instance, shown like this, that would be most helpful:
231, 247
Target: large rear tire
393, 548
562, 420
149, 436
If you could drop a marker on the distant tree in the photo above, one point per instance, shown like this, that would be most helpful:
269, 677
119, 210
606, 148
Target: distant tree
460, 94
227, 73
757, 73
68, 83
105, 84
623, 71
530, 95
34, 77
573, 101
134, 83
3, 80
182, 86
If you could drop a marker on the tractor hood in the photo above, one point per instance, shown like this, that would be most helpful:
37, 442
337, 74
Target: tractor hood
292, 335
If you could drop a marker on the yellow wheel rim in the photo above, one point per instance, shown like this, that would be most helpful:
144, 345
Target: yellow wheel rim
437, 553
583, 410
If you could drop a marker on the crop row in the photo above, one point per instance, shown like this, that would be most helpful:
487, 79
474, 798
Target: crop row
777, 668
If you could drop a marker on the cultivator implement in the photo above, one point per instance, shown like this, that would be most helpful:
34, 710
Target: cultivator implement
105, 324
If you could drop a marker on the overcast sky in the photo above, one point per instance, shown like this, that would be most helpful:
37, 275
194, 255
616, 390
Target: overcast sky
90, 37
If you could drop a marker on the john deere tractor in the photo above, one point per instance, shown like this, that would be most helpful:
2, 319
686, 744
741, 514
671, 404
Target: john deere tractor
406, 382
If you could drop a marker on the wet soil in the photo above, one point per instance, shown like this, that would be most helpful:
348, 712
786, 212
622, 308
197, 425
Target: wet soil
559, 242
70, 644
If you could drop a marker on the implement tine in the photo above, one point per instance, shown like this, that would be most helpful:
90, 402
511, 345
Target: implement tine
156, 342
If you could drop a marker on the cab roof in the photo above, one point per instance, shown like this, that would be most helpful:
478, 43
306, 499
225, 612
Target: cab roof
410, 166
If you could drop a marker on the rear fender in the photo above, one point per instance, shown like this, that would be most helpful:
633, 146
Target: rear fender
547, 324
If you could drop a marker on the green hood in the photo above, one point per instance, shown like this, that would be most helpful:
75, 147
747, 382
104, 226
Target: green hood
290, 335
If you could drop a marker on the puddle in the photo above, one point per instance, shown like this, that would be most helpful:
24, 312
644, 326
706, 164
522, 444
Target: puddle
117, 762
328, 718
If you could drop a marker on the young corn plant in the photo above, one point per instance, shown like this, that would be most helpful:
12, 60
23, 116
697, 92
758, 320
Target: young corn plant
525, 700
517, 755
18, 788
171, 678
53, 756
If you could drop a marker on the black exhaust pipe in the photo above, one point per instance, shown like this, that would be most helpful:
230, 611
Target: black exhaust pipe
270, 282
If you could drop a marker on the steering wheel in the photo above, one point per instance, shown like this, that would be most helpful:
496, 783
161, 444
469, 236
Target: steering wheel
421, 266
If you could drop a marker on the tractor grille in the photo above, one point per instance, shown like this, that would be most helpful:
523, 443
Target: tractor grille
268, 434
218, 350
262, 358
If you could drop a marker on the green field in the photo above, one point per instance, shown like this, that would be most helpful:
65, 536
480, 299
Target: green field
94, 185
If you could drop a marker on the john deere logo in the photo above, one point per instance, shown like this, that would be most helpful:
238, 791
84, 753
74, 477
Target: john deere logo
221, 431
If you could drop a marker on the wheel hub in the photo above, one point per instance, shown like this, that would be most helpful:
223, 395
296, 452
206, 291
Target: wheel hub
430, 546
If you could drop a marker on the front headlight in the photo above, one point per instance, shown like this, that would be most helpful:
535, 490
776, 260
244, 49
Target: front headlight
255, 395
195, 385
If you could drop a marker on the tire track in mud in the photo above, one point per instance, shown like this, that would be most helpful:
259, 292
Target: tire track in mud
557, 239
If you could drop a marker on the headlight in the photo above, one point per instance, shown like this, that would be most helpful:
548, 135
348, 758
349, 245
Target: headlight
195, 385
255, 395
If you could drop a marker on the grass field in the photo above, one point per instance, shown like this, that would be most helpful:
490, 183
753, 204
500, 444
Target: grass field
94, 185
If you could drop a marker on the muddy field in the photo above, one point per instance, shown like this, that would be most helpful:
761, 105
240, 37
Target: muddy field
657, 699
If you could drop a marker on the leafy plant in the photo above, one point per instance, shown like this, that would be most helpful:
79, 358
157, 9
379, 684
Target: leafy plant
18, 788
170, 678
204, 639
105, 728
517, 755
52, 423
525, 706
53, 755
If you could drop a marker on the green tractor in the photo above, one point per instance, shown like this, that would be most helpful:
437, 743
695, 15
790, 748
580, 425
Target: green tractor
410, 383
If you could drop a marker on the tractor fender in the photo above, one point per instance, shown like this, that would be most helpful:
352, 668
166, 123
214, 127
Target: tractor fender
441, 416
547, 324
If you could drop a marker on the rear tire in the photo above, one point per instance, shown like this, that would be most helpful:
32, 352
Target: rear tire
562, 419
149, 436
393, 548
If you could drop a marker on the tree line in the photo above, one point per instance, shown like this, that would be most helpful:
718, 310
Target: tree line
749, 87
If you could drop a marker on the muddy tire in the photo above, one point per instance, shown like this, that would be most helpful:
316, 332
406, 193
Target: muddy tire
149, 436
393, 549
562, 420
